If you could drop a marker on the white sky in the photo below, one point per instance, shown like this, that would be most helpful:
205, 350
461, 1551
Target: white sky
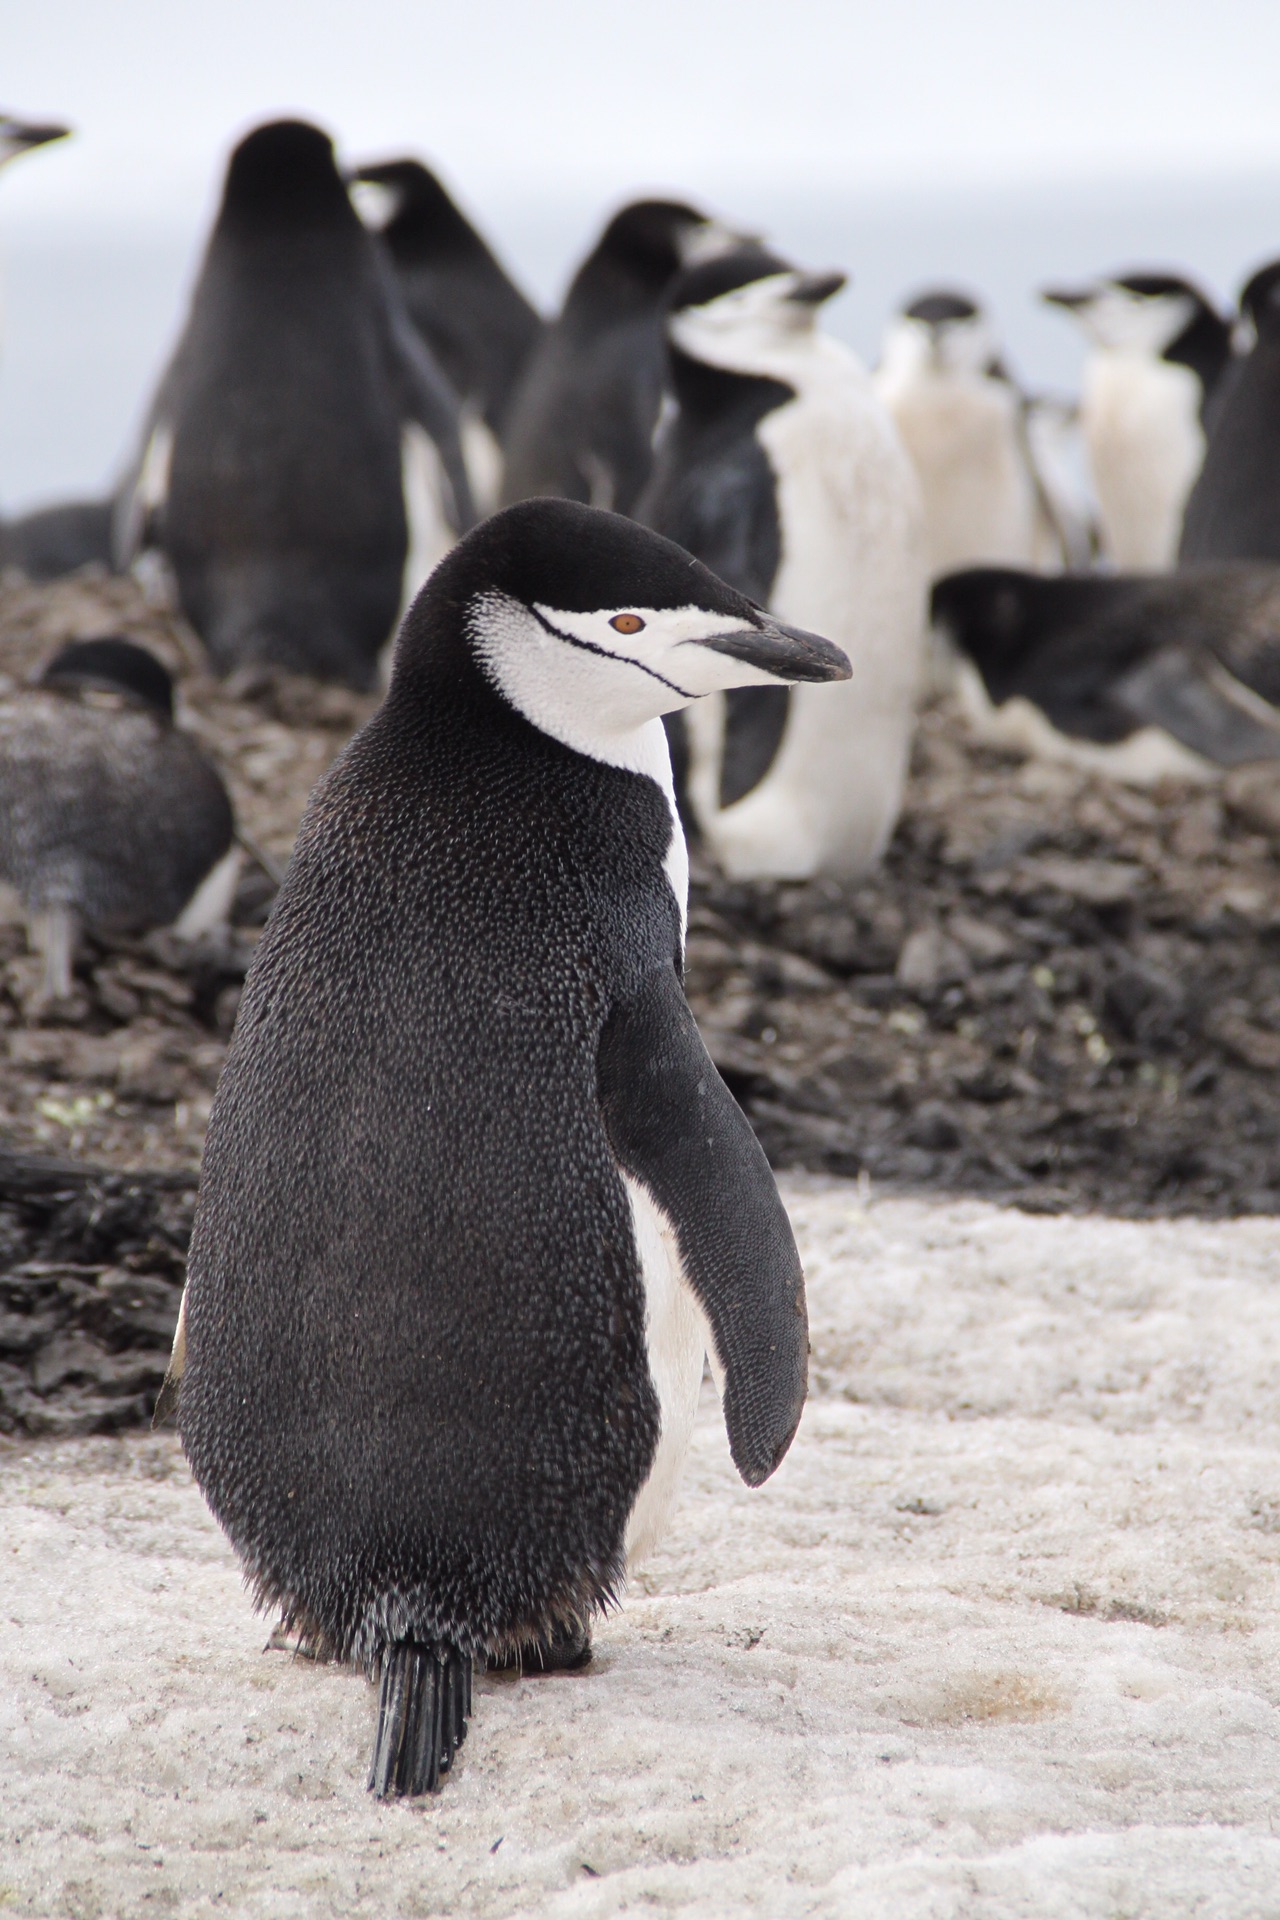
535, 96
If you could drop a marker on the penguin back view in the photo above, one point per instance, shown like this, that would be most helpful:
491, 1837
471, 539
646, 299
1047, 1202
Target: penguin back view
272, 474
1234, 509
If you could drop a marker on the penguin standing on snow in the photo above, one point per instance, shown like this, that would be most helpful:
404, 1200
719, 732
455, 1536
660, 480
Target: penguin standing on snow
582, 420
302, 433
473, 317
110, 816
1158, 353
1140, 677
782, 470
475, 1200
964, 423
1234, 509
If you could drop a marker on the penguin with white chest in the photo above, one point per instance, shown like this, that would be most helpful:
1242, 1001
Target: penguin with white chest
1158, 351
475, 1200
781, 469
110, 816
964, 423
302, 461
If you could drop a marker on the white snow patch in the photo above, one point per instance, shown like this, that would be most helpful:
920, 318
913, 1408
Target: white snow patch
1000, 1640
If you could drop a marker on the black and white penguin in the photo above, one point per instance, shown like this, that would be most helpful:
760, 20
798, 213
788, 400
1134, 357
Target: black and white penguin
1138, 676
462, 301
24, 136
1234, 509
111, 817
302, 462
1158, 349
583, 416
964, 422
782, 470
475, 1200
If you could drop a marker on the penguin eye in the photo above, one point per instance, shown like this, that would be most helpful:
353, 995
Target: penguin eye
627, 623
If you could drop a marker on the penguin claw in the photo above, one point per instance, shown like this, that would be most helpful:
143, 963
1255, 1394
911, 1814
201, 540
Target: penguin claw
424, 1702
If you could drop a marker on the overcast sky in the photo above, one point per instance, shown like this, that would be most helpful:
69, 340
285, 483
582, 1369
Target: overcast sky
536, 96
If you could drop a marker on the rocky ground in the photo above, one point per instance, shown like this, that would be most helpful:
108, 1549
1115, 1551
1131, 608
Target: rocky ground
1056, 991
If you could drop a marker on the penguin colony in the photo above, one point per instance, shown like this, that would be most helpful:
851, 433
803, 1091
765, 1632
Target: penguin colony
475, 1202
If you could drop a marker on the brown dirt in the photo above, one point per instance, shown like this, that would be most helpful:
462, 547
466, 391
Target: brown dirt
1057, 991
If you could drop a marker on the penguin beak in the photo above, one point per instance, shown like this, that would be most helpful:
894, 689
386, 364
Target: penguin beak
811, 289
787, 653
24, 138
1071, 299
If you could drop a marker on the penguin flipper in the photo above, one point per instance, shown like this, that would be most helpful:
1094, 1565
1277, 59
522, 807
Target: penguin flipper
1202, 704
424, 1703
674, 1126
167, 1398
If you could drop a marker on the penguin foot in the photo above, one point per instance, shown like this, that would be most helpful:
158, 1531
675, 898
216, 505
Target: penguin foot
424, 1703
559, 1652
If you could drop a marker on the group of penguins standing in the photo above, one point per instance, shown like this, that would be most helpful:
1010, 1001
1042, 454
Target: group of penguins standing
475, 1202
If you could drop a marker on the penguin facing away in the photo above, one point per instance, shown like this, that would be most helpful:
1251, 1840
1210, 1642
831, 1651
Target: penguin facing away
302, 455
475, 1200
110, 816
782, 470
1158, 353
963, 422
1234, 509
473, 317
1138, 676
582, 419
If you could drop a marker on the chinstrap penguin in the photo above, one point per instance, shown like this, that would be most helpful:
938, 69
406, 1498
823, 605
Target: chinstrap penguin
781, 469
466, 307
111, 818
475, 1200
1234, 509
1158, 351
1138, 676
302, 461
964, 423
582, 420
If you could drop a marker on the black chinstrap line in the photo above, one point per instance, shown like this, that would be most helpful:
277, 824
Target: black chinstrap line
620, 659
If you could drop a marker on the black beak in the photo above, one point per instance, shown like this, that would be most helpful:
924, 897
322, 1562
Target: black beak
28, 137
811, 289
1066, 297
788, 653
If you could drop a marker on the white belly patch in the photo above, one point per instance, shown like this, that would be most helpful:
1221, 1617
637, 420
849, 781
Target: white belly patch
677, 1339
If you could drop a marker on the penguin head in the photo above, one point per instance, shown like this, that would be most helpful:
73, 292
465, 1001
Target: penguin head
744, 309
642, 248
1144, 313
1259, 308
591, 626
114, 667
404, 201
22, 136
943, 332
283, 176
986, 613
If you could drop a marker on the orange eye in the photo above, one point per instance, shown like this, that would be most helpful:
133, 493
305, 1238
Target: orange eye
627, 623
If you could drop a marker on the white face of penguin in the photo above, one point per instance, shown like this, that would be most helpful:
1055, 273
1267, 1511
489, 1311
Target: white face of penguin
595, 680
763, 327
1116, 318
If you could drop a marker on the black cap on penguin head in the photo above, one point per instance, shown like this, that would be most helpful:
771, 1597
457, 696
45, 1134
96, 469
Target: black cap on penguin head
1260, 301
940, 305
709, 280
548, 557
985, 612
114, 665
421, 210
283, 174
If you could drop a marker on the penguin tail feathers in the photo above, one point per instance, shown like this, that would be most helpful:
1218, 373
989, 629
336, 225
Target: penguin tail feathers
424, 1703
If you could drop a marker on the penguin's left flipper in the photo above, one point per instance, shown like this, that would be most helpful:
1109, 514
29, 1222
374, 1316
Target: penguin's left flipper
1197, 700
674, 1126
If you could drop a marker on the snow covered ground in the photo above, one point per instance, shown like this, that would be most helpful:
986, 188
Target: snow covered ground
1000, 1640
